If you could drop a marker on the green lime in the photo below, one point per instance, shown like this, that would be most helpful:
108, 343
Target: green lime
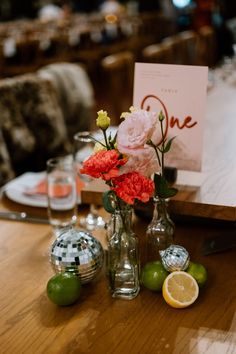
153, 275
199, 272
64, 289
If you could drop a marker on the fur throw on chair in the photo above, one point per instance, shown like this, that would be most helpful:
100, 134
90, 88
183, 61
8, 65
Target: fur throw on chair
31, 121
75, 94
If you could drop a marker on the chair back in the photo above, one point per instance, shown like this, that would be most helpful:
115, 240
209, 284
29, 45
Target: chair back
117, 73
74, 92
6, 168
184, 47
208, 46
158, 53
188, 42
31, 121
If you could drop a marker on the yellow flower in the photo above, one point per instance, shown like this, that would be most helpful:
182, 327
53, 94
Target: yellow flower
103, 121
126, 114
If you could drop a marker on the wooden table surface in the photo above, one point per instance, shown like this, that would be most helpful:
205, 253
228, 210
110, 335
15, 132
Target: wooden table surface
99, 324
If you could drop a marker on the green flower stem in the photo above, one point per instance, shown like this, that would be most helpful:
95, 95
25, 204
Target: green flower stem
105, 138
158, 157
97, 141
162, 147
149, 142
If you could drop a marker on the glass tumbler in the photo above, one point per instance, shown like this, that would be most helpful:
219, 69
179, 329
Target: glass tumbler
61, 193
83, 148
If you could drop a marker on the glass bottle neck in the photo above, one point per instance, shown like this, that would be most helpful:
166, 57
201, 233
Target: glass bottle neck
160, 207
122, 219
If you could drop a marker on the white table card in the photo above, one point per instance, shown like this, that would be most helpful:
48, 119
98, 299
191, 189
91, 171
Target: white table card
180, 92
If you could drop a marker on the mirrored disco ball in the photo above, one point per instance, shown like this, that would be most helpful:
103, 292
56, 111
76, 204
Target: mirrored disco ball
174, 258
79, 252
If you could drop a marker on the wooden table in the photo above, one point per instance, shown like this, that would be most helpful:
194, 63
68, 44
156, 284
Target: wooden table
99, 324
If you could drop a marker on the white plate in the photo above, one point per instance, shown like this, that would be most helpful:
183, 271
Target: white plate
15, 189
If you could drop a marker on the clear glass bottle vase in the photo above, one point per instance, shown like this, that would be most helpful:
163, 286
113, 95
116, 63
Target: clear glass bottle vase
123, 256
160, 232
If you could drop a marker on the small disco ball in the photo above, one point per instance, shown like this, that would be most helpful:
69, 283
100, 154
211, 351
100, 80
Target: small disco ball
79, 252
174, 258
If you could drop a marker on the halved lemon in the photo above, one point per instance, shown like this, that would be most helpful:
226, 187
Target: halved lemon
180, 289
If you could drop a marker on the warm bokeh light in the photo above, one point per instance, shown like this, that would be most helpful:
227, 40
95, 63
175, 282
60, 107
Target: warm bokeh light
111, 18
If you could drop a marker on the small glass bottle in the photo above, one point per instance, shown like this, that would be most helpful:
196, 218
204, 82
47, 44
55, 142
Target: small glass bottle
123, 256
160, 231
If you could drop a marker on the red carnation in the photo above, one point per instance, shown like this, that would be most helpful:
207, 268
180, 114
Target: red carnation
104, 164
133, 185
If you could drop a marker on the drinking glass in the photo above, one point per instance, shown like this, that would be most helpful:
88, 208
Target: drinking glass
61, 192
83, 148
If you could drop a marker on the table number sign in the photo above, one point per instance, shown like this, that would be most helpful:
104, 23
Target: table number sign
180, 92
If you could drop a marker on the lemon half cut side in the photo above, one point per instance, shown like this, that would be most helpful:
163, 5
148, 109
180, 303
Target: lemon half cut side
180, 289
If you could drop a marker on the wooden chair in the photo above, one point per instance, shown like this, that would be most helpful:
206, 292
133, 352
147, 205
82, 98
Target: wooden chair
184, 47
158, 53
117, 72
188, 42
208, 46
175, 43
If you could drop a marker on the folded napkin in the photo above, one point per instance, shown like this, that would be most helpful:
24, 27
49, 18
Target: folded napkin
59, 190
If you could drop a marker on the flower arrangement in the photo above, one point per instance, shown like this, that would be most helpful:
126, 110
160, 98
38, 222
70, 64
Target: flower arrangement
128, 160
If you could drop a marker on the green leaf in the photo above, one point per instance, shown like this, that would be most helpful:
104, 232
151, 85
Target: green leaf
162, 188
171, 192
108, 199
168, 145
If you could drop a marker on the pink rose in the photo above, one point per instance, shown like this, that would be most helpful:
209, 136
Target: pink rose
145, 162
135, 130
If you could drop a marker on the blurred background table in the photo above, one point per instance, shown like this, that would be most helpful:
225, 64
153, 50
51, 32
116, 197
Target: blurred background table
99, 324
